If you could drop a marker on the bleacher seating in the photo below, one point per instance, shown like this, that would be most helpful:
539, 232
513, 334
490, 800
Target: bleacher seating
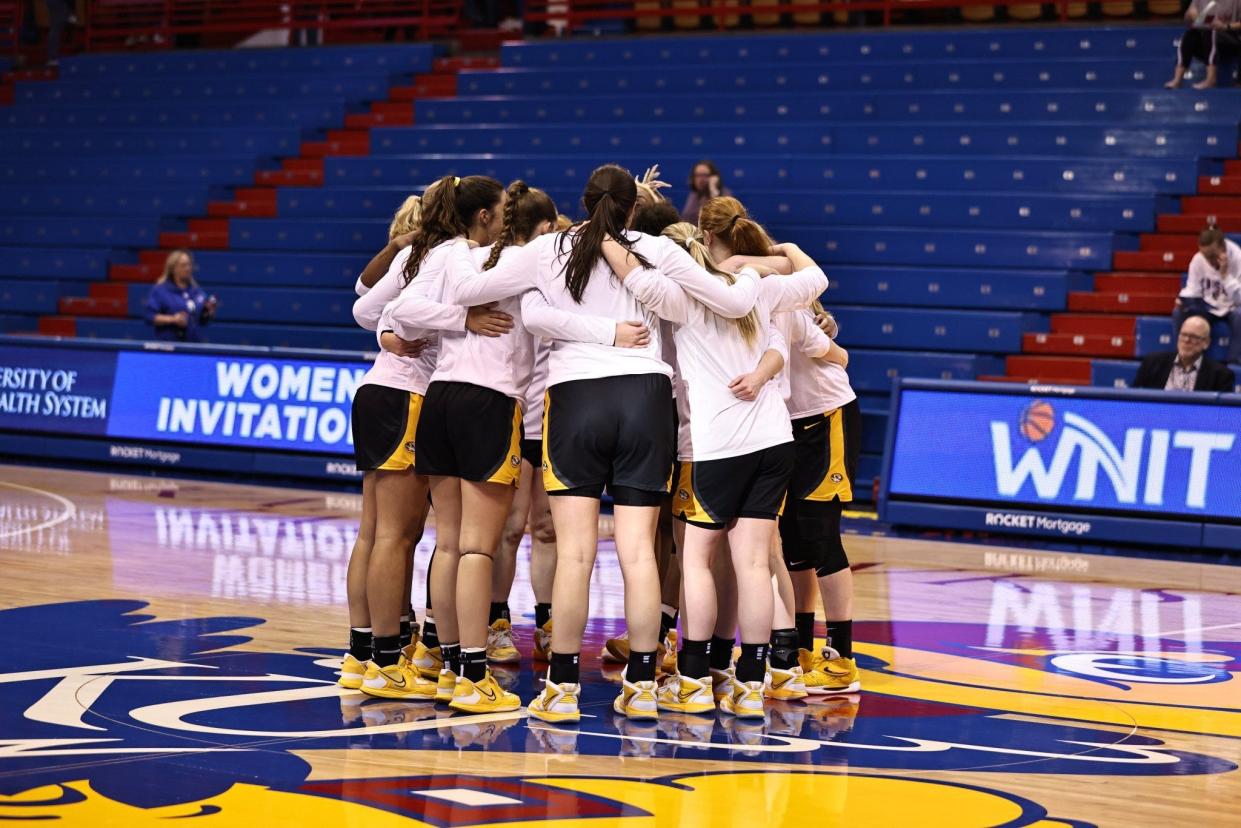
1012, 203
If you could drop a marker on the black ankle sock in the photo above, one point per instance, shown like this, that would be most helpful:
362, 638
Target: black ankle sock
405, 631
784, 648
360, 646
694, 658
641, 666
542, 614
499, 609
840, 637
752, 665
474, 663
564, 668
805, 630
429, 636
666, 622
721, 652
386, 649
452, 657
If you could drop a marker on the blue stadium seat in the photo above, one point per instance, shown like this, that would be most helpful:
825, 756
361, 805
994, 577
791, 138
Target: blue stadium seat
329, 60
198, 90
296, 234
104, 200
286, 268
377, 202
1113, 373
278, 305
130, 169
29, 295
89, 116
874, 370
948, 288
917, 329
1154, 334
54, 261
98, 232
264, 141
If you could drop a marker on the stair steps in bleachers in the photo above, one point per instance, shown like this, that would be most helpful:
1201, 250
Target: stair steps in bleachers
1093, 324
1196, 221
1070, 344
1144, 303
1219, 185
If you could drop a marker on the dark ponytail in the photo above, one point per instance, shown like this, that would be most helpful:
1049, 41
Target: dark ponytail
524, 211
448, 207
1211, 236
609, 197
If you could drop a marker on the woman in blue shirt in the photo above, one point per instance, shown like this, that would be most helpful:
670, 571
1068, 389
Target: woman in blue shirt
177, 306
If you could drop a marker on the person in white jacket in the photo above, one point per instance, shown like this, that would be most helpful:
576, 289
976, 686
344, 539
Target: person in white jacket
1213, 288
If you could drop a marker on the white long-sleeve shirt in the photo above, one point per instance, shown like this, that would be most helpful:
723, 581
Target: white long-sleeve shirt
711, 353
539, 266
1220, 291
407, 373
504, 363
810, 385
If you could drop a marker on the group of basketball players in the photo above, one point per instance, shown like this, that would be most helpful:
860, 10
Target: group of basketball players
527, 365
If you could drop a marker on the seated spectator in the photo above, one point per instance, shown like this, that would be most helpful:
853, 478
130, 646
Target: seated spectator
1187, 368
177, 307
1213, 37
704, 185
1213, 288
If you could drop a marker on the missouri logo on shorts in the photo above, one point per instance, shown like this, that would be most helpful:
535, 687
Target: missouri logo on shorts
409, 446
682, 494
514, 460
837, 477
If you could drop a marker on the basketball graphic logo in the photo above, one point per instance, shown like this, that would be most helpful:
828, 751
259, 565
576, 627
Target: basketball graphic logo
1037, 420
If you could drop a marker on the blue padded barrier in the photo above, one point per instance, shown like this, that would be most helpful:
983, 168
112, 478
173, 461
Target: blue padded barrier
799, 172
1044, 43
57, 261
874, 370
993, 332
286, 234
140, 115
192, 89
1140, 108
222, 141
325, 60
952, 288
96, 232
130, 169
293, 268
710, 139
789, 76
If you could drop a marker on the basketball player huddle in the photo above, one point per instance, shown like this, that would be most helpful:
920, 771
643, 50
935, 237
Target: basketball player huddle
528, 365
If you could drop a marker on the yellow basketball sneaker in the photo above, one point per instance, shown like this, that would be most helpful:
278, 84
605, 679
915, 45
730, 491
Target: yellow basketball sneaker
842, 673
543, 641
745, 701
668, 655
814, 679
616, 650
637, 700
500, 646
557, 703
428, 660
352, 672
683, 694
485, 696
446, 686
786, 685
398, 681
411, 649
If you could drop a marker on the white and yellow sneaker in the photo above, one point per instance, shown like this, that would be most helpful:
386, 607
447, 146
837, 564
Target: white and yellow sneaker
786, 685
398, 681
445, 686
411, 649
543, 642
557, 703
485, 696
500, 645
352, 672
637, 700
722, 682
683, 694
828, 672
428, 660
745, 701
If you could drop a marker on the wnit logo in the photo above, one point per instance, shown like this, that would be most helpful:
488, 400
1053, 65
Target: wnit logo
1135, 469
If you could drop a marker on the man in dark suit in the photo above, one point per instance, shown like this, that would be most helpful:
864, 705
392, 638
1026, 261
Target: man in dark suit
1187, 368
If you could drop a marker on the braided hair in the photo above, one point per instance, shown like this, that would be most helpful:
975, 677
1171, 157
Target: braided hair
524, 211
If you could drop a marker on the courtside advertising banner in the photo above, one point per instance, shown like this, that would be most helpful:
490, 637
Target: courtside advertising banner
203, 399
1110, 454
